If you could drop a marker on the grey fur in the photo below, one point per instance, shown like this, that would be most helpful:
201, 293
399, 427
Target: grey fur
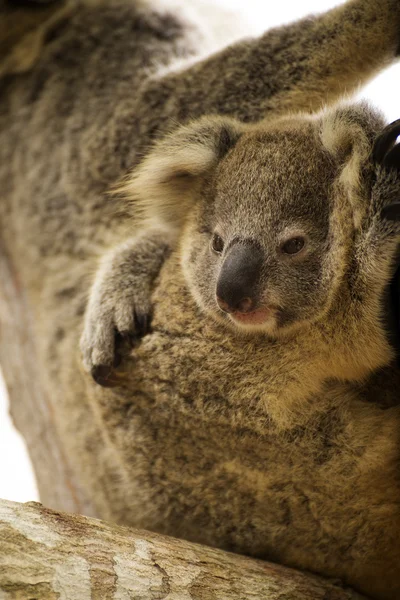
189, 444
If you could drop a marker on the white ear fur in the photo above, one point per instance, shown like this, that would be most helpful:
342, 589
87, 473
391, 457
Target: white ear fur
348, 134
162, 188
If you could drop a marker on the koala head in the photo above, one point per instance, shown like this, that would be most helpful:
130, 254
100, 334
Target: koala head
265, 215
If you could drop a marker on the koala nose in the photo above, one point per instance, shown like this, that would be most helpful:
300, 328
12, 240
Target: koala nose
243, 306
238, 281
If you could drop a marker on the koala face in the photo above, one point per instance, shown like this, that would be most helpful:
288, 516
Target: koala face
255, 246
266, 214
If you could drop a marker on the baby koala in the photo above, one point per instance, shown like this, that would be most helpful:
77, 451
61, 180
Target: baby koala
287, 229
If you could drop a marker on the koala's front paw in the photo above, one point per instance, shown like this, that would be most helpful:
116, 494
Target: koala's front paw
118, 314
119, 307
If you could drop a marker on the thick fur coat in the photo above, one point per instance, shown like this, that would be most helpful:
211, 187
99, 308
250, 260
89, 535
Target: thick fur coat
187, 445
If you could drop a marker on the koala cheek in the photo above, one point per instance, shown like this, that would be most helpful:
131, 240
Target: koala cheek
199, 277
190, 251
190, 258
206, 284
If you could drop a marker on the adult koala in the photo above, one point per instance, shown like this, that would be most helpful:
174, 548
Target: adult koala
180, 449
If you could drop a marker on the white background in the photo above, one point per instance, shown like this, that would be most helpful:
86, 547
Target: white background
16, 479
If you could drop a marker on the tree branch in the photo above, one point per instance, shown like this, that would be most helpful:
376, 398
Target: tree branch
46, 554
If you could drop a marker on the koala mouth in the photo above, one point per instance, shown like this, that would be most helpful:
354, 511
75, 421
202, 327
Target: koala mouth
255, 317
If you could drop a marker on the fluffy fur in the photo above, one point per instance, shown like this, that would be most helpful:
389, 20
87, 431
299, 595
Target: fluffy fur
192, 444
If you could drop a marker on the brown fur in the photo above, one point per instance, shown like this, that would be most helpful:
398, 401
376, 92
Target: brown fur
309, 176
187, 445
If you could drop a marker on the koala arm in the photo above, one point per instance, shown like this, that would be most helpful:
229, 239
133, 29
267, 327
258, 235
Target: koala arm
119, 303
297, 67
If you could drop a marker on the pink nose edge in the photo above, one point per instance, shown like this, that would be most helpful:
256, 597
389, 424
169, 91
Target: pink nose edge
243, 306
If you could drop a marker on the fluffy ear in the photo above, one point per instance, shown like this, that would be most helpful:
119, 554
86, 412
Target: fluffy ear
163, 187
348, 133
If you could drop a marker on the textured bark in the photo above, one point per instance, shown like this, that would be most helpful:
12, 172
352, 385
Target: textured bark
31, 404
46, 555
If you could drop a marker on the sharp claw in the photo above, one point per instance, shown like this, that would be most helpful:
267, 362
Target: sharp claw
117, 360
142, 324
104, 376
124, 342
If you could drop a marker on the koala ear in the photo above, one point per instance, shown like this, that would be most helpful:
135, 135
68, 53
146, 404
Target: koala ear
163, 187
348, 133
386, 152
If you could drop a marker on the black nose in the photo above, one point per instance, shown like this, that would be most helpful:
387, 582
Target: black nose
239, 278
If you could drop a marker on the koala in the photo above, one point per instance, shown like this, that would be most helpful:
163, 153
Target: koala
286, 237
233, 163
286, 229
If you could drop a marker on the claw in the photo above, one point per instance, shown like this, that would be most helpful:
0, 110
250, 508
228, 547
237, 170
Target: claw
104, 376
383, 146
142, 324
117, 360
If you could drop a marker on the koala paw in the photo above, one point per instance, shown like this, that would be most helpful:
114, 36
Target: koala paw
119, 307
116, 318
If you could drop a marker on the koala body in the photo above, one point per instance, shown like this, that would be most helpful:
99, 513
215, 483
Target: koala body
301, 375
195, 442
282, 236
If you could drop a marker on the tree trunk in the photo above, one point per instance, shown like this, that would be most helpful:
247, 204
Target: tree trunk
48, 555
30, 404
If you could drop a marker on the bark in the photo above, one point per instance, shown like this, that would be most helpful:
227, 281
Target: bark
30, 403
48, 555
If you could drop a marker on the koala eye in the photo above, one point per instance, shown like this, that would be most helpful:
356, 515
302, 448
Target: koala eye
293, 246
217, 243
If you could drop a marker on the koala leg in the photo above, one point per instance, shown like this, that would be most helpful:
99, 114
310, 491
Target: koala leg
119, 306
